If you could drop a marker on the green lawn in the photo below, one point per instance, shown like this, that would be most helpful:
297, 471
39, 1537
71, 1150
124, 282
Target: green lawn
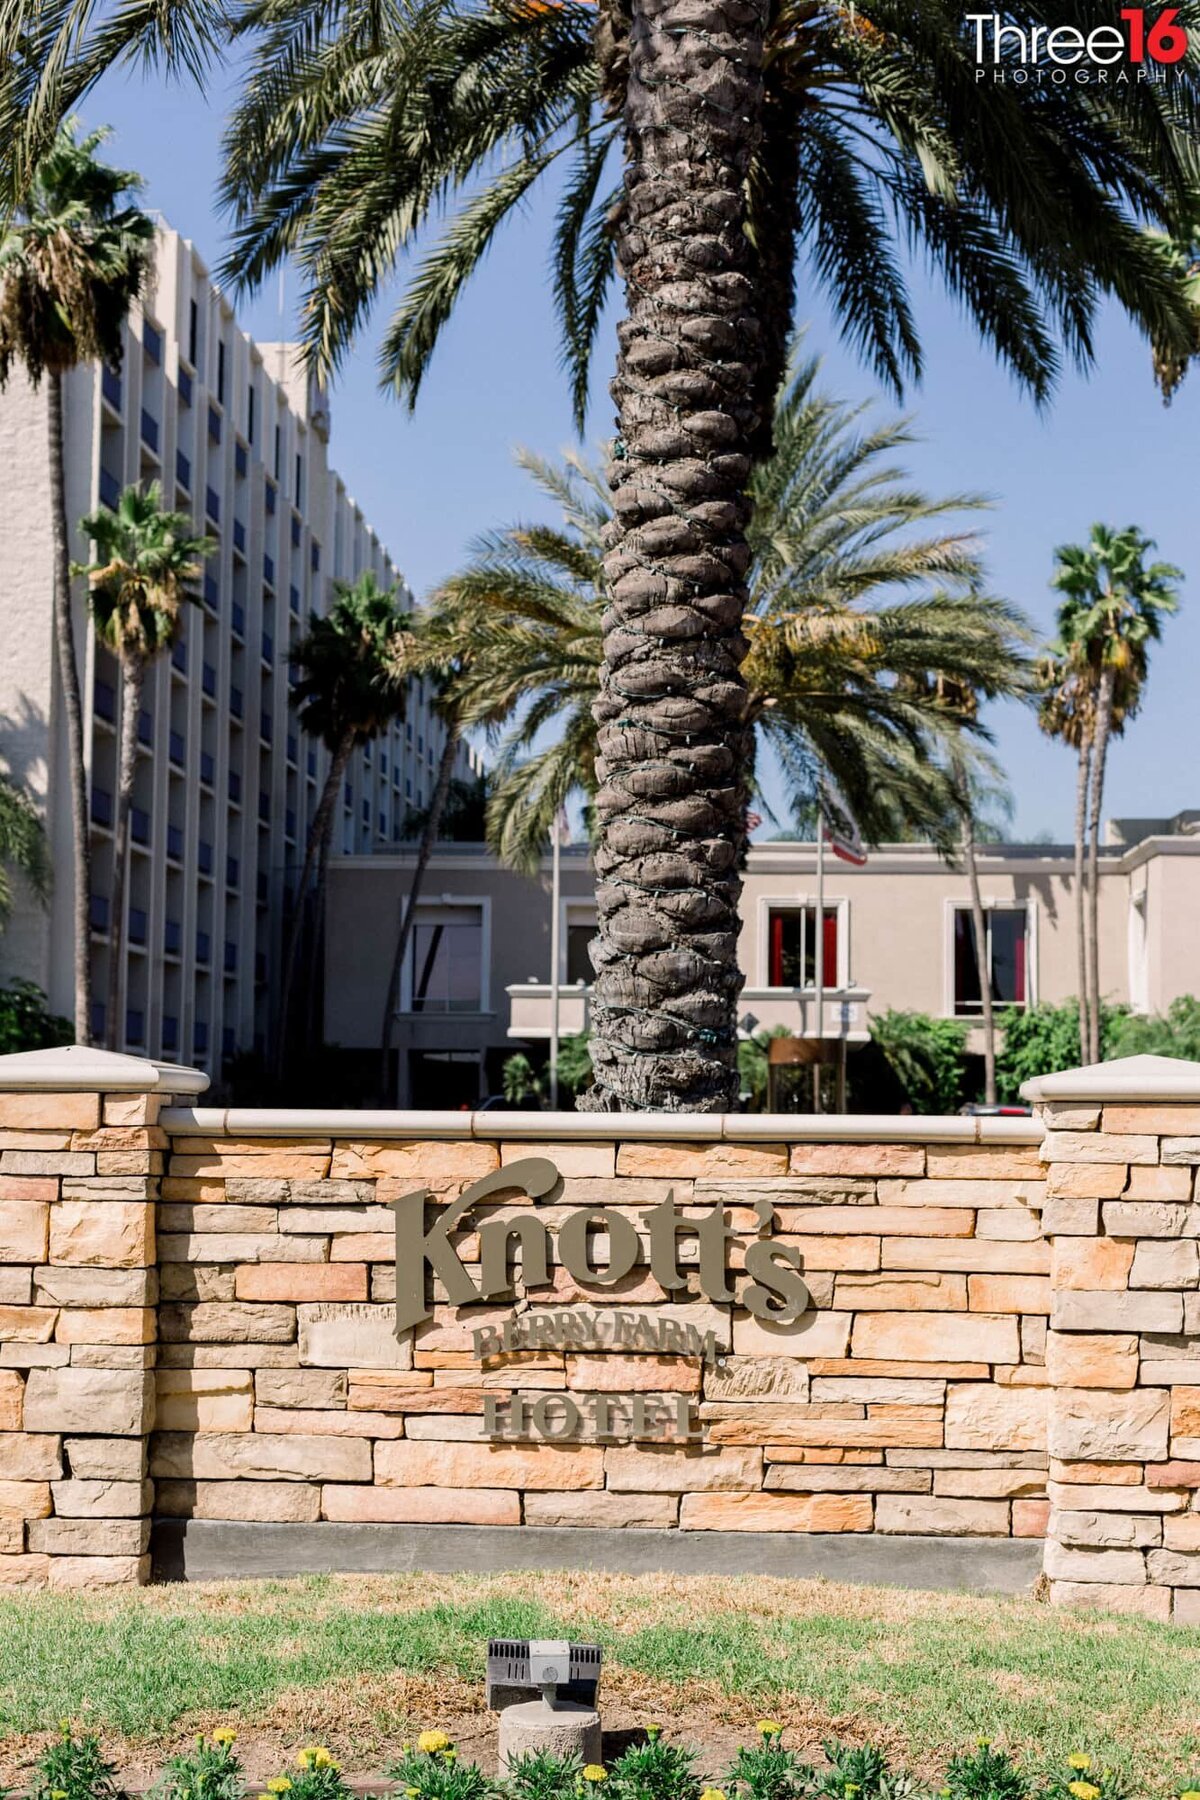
363, 1660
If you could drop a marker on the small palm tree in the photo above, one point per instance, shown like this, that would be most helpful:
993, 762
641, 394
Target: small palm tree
1113, 609
859, 603
354, 682
23, 848
71, 264
146, 559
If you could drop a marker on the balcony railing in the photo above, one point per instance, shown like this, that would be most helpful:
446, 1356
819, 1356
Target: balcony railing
239, 537
102, 806
110, 489
110, 387
152, 342
104, 700
185, 387
175, 843
150, 431
172, 937
208, 768
212, 505
204, 857
139, 825
183, 471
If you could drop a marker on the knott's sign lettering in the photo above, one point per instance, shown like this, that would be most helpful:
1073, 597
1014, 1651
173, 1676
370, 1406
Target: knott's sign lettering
774, 1291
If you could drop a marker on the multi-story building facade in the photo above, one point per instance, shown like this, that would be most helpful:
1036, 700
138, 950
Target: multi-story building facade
226, 783
897, 934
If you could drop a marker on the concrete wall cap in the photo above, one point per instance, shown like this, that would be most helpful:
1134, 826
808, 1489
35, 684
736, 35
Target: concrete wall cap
547, 1127
1128, 1078
78, 1068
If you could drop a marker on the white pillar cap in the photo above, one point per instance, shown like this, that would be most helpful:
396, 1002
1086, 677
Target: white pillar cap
77, 1068
1128, 1079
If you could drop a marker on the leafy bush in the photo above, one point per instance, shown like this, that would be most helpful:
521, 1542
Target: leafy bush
927, 1056
26, 1023
1175, 1034
73, 1768
430, 1770
985, 1774
540, 1775
211, 1771
317, 1776
766, 1771
656, 1770
1040, 1040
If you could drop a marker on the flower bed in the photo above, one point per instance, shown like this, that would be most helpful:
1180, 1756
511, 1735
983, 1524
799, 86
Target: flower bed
75, 1768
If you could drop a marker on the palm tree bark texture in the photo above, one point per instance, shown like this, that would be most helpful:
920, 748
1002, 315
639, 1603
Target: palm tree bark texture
673, 737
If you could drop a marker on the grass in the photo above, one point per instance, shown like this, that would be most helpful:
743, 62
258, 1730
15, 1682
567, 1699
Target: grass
361, 1660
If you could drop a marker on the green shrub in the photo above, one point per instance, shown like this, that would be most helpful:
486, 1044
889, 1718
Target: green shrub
926, 1056
317, 1776
540, 1775
1041, 1040
430, 1770
26, 1023
1175, 1034
73, 1768
655, 1770
766, 1771
211, 1771
986, 1774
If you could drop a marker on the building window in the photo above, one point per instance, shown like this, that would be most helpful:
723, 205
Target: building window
792, 947
299, 492
447, 960
221, 373
193, 348
1006, 956
250, 400
580, 933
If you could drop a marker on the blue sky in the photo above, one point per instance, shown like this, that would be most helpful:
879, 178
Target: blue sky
1106, 449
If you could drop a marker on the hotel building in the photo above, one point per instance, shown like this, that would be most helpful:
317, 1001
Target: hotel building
226, 782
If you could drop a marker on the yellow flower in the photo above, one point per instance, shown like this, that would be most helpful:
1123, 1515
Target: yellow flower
433, 1741
224, 1735
413, 1793
449, 1755
279, 1784
322, 1758
58, 1794
1083, 1790
769, 1727
712, 1794
1190, 1794
850, 1789
1079, 1760
984, 1743
595, 1772
654, 1732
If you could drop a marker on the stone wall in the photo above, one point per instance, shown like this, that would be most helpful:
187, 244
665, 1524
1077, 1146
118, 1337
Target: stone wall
1123, 1352
198, 1312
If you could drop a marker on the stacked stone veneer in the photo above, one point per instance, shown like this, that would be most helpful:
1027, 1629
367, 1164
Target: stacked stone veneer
910, 1400
79, 1176
1123, 1355
196, 1322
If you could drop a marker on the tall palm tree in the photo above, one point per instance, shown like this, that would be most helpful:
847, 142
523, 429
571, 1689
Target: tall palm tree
354, 683
71, 264
145, 563
858, 598
1114, 607
1067, 712
356, 123
728, 137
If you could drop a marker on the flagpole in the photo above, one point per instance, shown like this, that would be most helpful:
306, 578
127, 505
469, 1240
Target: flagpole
819, 956
555, 884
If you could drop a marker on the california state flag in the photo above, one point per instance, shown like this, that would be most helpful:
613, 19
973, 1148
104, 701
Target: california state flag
843, 839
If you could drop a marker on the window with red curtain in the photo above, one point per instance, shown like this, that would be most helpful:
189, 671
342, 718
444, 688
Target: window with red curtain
1006, 952
791, 947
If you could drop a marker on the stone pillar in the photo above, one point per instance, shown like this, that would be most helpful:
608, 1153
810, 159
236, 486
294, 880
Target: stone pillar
1123, 1353
81, 1154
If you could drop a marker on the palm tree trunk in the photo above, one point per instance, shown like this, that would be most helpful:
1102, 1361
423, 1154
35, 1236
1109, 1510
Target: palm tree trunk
979, 927
429, 836
319, 834
1083, 782
68, 676
133, 673
1104, 712
673, 734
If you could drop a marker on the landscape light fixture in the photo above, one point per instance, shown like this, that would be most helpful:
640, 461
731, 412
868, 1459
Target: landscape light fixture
550, 1669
